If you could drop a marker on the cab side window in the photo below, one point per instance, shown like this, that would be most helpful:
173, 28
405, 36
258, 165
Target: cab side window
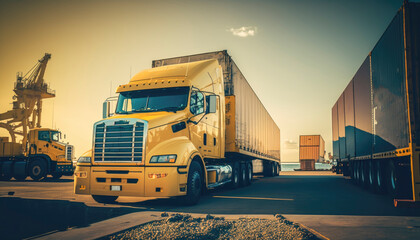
44, 136
197, 103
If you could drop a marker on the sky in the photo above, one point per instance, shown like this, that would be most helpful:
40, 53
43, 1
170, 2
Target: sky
298, 56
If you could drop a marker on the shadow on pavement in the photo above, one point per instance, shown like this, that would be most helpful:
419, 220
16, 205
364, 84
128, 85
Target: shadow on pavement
306, 195
23, 218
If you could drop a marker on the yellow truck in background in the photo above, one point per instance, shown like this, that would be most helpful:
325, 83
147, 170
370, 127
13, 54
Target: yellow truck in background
188, 124
44, 154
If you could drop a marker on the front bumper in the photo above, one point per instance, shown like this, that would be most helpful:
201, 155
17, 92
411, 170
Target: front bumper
134, 181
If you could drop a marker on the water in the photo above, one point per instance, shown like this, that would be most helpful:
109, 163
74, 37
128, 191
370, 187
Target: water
292, 166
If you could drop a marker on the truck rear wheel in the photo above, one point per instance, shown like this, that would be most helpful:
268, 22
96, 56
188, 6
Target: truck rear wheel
235, 175
104, 199
37, 169
194, 184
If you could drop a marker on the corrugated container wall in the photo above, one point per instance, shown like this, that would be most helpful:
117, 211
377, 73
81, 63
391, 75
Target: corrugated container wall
255, 132
413, 40
311, 147
363, 110
380, 93
388, 86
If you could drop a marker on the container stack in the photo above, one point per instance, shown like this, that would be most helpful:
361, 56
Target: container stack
311, 150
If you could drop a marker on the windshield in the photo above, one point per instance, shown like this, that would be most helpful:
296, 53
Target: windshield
153, 100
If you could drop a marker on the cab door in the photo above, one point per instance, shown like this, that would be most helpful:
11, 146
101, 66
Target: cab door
197, 127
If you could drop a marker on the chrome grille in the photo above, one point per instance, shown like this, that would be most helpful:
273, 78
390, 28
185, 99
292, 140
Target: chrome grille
69, 152
119, 140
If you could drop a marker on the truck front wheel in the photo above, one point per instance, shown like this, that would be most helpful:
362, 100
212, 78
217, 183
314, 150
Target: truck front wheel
104, 199
194, 184
37, 170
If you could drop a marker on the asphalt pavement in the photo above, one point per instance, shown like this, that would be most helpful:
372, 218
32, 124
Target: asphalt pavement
328, 203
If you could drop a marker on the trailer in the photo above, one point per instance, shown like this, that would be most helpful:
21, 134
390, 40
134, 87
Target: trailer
376, 120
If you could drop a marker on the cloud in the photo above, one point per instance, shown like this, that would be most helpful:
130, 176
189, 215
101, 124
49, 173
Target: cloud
290, 144
243, 31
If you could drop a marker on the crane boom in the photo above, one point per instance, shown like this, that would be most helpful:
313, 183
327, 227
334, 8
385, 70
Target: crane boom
27, 107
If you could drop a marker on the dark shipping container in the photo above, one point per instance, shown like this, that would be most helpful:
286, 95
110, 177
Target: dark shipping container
375, 121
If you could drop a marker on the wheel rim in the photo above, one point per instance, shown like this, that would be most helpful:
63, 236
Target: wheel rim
36, 170
235, 176
249, 172
243, 174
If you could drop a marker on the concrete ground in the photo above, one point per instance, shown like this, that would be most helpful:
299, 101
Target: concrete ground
323, 201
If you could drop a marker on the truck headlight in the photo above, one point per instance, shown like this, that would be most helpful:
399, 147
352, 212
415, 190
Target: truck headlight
84, 160
163, 159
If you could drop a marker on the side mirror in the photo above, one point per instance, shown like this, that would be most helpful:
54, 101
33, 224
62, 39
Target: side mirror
108, 106
211, 103
105, 109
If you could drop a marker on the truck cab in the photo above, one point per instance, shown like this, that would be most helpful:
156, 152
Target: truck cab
164, 121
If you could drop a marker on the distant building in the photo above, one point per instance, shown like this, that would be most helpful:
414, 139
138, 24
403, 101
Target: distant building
311, 150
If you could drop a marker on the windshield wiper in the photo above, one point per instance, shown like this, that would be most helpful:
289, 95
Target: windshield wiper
168, 109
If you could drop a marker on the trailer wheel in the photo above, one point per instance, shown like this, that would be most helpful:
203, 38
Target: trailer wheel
273, 169
248, 174
37, 169
104, 199
243, 175
194, 184
356, 172
371, 174
392, 179
379, 177
235, 176
353, 172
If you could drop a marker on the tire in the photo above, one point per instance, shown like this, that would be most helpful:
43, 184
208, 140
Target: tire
194, 184
248, 174
273, 169
234, 183
392, 179
242, 175
353, 172
362, 174
37, 169
104, 199
371, 174
56, 175
379, 175
268, 169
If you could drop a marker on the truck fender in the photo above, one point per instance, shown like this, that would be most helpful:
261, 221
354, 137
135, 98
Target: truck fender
183, 148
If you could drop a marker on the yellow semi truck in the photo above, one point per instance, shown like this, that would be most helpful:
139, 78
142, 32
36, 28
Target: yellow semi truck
43, 154
188, 124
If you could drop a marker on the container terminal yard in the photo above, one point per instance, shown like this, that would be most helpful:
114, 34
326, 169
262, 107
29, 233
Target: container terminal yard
189, 148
